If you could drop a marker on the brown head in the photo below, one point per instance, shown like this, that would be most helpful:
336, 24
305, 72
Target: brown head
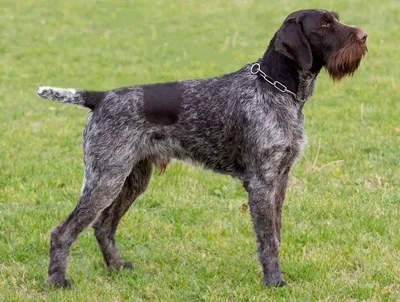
316, 38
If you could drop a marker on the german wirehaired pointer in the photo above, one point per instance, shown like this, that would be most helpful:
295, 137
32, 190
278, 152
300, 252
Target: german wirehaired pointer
248, 124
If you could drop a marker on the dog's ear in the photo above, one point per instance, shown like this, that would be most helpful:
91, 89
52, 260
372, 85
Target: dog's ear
291, 42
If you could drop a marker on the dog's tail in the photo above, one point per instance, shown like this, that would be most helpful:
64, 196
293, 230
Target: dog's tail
84, 98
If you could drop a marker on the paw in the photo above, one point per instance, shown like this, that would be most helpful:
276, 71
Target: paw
121, 265
128, 265
272, 273
58, 281
275, 283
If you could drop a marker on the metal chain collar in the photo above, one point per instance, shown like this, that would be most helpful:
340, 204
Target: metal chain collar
256, 69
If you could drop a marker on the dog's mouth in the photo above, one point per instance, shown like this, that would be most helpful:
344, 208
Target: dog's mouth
346, 60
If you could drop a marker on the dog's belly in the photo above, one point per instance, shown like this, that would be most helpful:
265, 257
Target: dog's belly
224, 158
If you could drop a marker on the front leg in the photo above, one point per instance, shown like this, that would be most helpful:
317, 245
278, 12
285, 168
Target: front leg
280, 192
262, 208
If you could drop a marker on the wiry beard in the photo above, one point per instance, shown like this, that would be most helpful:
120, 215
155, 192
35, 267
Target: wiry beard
346, 60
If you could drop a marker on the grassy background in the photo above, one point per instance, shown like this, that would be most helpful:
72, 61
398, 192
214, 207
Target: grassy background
189, 236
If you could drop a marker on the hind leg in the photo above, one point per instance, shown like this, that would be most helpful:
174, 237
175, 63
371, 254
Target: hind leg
99, 190
109, 155
106, 224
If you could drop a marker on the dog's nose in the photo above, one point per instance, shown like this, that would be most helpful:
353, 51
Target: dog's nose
362, 35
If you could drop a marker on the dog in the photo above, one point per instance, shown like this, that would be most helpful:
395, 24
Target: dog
248, 124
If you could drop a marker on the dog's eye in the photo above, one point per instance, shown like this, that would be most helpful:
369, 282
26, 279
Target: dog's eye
325, 24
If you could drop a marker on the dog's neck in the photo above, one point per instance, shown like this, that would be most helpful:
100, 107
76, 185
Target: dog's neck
282, 69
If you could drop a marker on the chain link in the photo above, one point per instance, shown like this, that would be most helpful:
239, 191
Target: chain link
256, 69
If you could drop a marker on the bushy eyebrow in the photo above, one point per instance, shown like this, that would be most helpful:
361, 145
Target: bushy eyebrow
335, 14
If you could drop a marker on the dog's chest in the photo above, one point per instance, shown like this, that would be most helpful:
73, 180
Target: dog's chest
295, 148
278, 133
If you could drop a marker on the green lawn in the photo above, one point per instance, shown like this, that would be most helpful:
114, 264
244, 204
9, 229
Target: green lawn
189, 235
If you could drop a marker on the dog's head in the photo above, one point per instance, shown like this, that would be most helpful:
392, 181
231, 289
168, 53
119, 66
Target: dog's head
316, 38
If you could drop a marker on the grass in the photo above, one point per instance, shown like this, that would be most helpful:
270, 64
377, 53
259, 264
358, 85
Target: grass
189, 236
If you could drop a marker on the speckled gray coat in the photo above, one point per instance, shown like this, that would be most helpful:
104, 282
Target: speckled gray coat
236, 124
